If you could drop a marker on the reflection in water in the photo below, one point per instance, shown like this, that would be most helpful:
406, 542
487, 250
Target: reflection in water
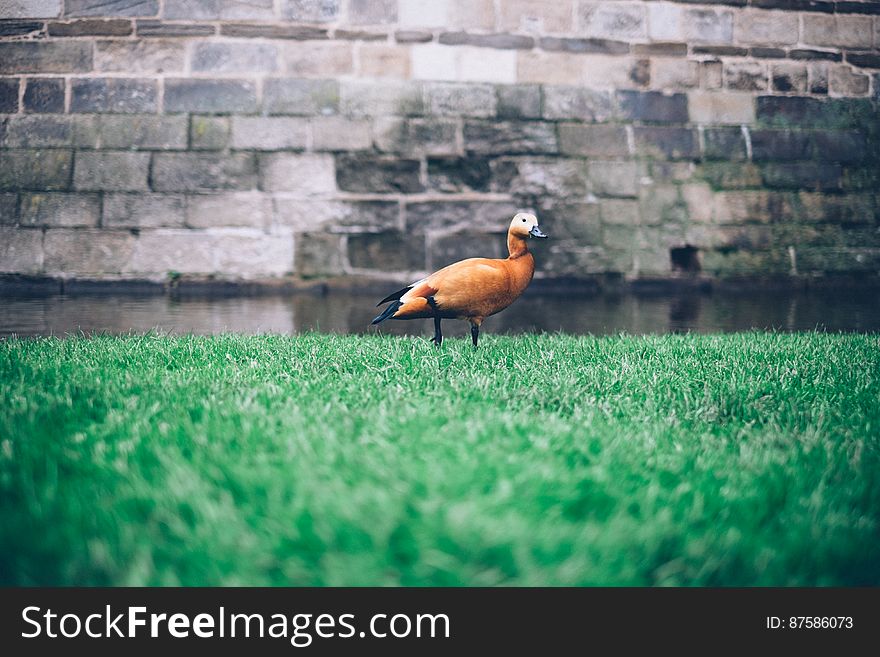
346, 313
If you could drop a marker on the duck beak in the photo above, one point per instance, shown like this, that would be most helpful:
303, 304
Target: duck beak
536, 232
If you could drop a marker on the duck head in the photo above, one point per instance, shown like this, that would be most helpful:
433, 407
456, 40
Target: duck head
525, 225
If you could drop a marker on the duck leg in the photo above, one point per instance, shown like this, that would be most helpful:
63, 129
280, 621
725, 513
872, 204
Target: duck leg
438, 335
475, 330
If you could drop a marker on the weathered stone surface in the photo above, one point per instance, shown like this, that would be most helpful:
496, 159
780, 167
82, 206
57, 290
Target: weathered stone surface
818, 76
520, 101
45, 57
214, 9
209, 133
581, 223
844, 209
412, 36
433, 61
667, 142
658, 205
615, 177
698, 200
652, 106
355, 173
8, 95
754, 206
846, 82
183, 172
248, 253
12, 28
111, 171
336, 133
381, 60
715, 108
780, 145
142, 211
759, 27
536, 16
724, 144
301, 97
577, 103
317, 59
392, 251
268, 31
844, 31
8, 209
90, 27
310, 215
40, 170
798, 53
460, 215
86, 252
59, 210
503, 41
845, 146
372, 12
36, 131
444, 249
306, 174
789, 77
459, 174
310, 11
382, 99
618, 20
162, 251
592, 140
734, 175
548, 177
431, 136
819, 176
585, 45
745, 75
234, 57
21, 251
509, 137
210, 96
269, 133
767, 53
240, 209
460, 99
141, 132
43, 95
111, 7
150, 28
30, 9
864, 59
120, 95
319, 254
668, 73
140, 56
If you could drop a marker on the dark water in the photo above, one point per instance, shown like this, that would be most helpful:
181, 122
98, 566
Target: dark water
344, 313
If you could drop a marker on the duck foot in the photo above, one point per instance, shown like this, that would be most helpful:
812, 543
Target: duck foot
475, 334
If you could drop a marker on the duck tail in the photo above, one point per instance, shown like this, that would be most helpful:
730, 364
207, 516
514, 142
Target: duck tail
394, 296
388, 312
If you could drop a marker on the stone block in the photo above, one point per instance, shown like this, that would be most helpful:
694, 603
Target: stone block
233, 57
21, 251
210, 96
8, 209
140, 56
577, 103
444, 249
336, 133
161, 251
111, 171
546, 177
667, 142
31, 9
844, 146
252, 254
59, 210
518, 101
41, 170
113, 95
459, 174
301, 97
360, 98
142, 132
724, 144
780, 145
361, 173
707, 25
143, 211
14, 28
225, 209
816, 176
669, 73
572, 220
844, 81
760, 27
593, 140
652, 106
310, 11
391, 251
618, 178
460, 215
209, 133
721, 108
310, 215
614, 20
317, 60
501, 41
745, 75
193, 172
90, 27
152, 28
45, 57
86, 252
818, 78
730, 175
43, 95
789, 77
306, 174
36, 131
269, 133
593, 71
460, 100
751, 206
698, 199
372, 12
509, 137
9, 95
384, 61
431, 136
319, 254
434, 61
837, 30
111, 8
535, 16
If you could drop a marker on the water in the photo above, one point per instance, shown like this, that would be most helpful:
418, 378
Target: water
693, 311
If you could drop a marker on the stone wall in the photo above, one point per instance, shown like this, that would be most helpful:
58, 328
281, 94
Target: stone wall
257, 139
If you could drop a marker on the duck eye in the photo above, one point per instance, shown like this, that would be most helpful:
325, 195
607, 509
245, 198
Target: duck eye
524, 220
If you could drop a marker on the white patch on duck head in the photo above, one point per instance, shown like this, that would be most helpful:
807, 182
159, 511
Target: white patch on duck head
523, 223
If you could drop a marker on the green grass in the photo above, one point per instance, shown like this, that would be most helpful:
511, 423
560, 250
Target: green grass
744, 459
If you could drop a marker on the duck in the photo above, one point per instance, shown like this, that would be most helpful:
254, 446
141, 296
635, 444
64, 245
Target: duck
470, 289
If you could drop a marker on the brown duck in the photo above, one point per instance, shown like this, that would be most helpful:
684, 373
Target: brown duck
471, 289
